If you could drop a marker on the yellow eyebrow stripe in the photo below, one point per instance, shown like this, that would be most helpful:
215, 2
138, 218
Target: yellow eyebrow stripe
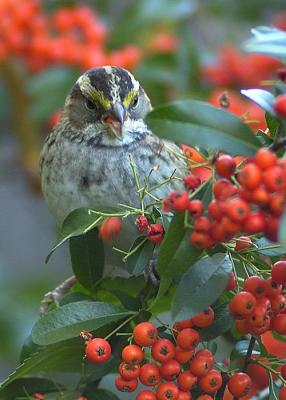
129, 98
98, 96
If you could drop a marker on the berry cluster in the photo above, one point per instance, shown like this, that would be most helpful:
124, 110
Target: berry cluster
171, 367
71, 35
254, 205
261, 306
111, 228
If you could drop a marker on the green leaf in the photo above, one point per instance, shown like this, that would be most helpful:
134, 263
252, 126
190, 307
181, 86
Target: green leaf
282, 230
201, 285
67, 321
78, 222
222, 323
272, 124
137, 262
264, 99
129, 302
94, 372
184, 258
87, 257
267, 40
268, 248
23, 386
64, 356
167, 249
192, 121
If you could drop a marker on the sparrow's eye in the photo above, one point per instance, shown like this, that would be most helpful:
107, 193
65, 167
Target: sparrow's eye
90, 105
135, 101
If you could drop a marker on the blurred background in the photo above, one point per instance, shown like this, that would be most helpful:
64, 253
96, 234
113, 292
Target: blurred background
176, 48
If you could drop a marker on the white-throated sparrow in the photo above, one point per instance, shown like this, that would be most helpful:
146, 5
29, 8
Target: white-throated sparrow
85, 160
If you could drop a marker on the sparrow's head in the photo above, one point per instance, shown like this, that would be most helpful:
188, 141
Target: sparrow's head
107, 96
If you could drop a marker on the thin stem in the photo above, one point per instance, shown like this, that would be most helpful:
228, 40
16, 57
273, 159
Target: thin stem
121, 325
135, 249
249, 353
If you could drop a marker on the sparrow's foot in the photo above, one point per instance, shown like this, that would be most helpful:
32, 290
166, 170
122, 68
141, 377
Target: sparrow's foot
56, 295
151, 274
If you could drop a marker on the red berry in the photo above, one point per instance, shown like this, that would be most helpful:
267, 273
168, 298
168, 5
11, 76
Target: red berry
250, 176
283, 371
150, 375
258, 316
132, 354
183, 356
243, 242
223, 189
260, 196
232, 282
196, 208
202, 224
170, 370
163, 350
204, 397
155, 233
237, 209
142, 223
188, 339
282, 393
110, 228
255, 285
184, 395
146, 395
191, 182
124, 385
274, 178
207, 354
258, 375
38, 396
211, 382
179, 201
239, 384
98, 350
167, 391
145, 334
129, 371
277, 204
265, 158
201, 240
278, 272
280, 105
278, 324
204, 319
278, 304
186, 380
215, 210
180, 325
255, 223
200, 365
225, 166
272, 288
242, 304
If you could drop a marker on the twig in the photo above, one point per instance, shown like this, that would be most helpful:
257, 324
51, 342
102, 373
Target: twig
249, 353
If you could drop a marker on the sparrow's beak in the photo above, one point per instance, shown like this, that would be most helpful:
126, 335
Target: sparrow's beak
115, 119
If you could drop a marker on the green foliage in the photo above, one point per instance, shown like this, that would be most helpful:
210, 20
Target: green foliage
67, 321
23, 386
269, 41
201, 285
192, 121
222, 323
264, 99
87, 257
138, 260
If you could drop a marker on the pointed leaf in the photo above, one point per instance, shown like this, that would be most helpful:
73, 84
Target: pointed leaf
267, 40
22, 386
67, 321
102, 394
76, 223
201, 285
261, 97
87, 257
197, 122
137, 262
64, 356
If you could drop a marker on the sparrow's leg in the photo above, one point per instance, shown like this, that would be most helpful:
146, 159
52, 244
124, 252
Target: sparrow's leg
151, 274
55, 295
